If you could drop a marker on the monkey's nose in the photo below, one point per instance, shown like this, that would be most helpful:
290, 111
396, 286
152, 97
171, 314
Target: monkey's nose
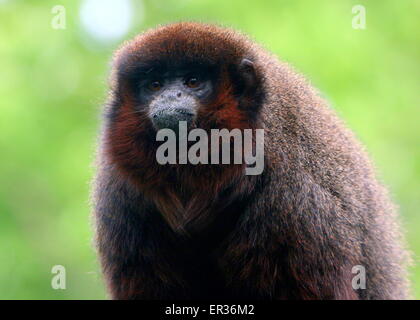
172, 95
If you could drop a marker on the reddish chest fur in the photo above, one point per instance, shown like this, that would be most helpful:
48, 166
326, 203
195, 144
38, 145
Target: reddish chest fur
188, 196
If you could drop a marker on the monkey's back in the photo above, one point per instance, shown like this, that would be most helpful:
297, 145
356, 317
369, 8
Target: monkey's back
306, 144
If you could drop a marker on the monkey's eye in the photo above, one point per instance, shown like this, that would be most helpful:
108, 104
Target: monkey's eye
192, 82
155, 85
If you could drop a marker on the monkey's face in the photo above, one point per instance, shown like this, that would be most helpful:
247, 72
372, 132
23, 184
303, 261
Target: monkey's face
187, 72
202, 94
172, 96
181, 73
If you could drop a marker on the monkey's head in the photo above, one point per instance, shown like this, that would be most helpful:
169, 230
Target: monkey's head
201, 74
189, 72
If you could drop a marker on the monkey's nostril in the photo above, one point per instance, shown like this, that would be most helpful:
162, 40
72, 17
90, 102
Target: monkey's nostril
179, 94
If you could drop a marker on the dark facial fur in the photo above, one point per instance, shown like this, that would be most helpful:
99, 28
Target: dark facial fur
171, 96
210, 231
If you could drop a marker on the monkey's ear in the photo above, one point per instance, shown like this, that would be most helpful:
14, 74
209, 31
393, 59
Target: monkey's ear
249, 75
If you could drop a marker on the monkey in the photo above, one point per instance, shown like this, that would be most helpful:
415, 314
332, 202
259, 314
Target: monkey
209, 231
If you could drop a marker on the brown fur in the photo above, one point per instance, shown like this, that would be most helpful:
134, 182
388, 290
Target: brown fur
210, 231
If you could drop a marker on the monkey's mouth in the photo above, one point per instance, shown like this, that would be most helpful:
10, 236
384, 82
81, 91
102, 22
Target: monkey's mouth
173, 118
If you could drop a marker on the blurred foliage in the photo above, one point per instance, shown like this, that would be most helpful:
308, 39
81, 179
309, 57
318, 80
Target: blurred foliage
53, 82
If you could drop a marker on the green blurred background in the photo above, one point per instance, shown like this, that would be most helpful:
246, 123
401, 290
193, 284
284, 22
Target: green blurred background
53, 82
